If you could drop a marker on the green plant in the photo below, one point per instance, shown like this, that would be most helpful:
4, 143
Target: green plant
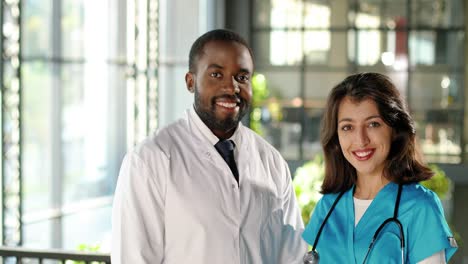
85, 248
442, 186
307, 182
259, 95
439, 183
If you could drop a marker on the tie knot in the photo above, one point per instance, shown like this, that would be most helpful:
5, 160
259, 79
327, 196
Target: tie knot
225, 147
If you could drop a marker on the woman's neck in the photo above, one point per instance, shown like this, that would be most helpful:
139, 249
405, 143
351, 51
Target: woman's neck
368, 187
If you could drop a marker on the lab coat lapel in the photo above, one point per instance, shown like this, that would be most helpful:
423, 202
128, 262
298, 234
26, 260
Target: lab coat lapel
204, 150
244, 155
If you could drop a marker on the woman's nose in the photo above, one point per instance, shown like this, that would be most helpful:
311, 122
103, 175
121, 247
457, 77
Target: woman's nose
362, 138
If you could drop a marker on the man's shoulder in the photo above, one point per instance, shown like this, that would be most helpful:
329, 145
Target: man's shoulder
179, 126
162, 139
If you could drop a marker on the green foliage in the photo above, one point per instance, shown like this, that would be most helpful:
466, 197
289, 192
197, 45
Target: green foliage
259, 95
85, 248
259, 89
439, 183
307, 183
442, 186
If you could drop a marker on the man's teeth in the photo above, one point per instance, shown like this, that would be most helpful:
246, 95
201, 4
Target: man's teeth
363, 154
228, 105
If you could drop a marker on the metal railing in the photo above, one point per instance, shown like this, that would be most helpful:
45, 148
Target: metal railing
25, 256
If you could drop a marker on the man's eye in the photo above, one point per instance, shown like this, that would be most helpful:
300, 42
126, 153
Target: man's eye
243, 78
215, 74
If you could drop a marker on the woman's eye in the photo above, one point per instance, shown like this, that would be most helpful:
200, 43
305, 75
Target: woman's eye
215, 74
346, 128
374, 124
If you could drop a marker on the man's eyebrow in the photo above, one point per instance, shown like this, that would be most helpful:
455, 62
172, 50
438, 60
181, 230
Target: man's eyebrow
217, 66
214, 65
245, 70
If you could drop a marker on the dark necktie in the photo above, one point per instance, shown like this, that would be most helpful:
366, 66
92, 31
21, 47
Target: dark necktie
226, 149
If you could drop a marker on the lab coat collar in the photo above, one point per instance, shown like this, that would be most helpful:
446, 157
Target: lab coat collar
206, 132
200, 132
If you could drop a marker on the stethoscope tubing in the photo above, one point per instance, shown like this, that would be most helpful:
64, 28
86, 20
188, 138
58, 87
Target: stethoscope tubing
377, 232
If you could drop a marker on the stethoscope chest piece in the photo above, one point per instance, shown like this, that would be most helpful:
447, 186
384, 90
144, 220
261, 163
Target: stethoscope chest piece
311, 257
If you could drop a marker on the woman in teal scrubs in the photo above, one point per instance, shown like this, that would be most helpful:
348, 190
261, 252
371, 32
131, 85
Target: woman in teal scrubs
371, 175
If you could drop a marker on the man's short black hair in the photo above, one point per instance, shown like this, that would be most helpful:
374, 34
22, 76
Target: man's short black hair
214, 35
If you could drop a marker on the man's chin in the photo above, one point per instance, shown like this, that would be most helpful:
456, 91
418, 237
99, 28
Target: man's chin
227, 124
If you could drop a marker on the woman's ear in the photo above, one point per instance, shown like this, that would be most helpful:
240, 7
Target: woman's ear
190, 82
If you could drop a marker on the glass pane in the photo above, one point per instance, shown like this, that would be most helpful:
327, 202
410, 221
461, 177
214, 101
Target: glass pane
85, 29
262, 11
36, 20
440, 134
318, 86
326, 48
287, 41
278, 48
37, 235
287, 47
365, 47
97, 224
286, 14
377, 47
74, 28
437, 47
437, 103
317, 46
279, 113
36, 135
436, 90
85, 130
442, 13
378, 13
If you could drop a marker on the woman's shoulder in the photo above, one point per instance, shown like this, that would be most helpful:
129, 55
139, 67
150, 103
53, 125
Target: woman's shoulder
418, 191
417, 196
327, 200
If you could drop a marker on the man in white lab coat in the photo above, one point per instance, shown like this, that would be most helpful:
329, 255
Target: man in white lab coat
179, 200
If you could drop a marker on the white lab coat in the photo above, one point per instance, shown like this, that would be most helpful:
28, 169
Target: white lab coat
177, 202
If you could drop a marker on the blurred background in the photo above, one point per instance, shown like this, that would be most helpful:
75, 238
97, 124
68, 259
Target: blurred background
84, 81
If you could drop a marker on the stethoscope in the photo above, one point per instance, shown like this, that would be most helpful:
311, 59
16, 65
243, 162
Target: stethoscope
312, 256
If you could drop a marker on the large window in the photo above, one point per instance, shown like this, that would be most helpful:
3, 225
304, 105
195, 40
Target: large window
305, 47
87, 92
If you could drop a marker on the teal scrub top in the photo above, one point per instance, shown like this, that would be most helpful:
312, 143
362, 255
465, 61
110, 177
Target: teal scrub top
421, 214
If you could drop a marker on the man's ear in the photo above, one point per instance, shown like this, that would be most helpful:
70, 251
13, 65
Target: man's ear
190, 82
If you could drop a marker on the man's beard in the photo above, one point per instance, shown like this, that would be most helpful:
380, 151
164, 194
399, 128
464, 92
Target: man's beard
208, 116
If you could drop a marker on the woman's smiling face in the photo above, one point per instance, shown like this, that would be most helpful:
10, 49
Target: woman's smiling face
364, 137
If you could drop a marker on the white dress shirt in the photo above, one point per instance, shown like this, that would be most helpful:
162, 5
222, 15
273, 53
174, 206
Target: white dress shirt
177, 201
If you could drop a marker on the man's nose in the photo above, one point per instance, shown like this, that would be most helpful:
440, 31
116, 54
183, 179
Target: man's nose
231, 84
